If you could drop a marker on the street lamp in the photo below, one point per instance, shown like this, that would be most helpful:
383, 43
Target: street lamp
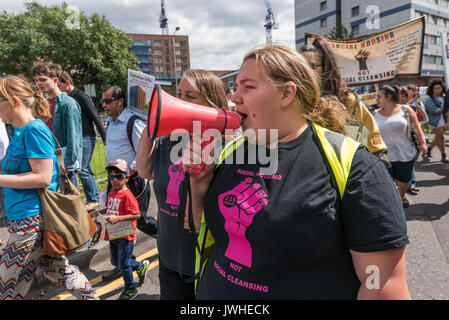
174, 60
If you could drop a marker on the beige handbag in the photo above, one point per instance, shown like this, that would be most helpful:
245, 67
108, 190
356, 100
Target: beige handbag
67, 225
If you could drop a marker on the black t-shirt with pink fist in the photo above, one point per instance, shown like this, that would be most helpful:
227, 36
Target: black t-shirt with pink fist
168, 177
280, 236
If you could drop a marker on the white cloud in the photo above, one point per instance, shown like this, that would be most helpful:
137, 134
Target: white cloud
220, 31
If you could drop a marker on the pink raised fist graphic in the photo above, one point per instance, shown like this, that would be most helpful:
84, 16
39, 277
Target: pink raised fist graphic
177, 174
239, 206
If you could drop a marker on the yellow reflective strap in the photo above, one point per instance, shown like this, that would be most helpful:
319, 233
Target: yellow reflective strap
329, 151
348, 150
229, 149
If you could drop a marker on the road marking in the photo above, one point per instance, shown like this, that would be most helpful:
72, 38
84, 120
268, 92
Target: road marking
116, 283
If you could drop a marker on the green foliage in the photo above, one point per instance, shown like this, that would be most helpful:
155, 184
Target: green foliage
88, 47
340, 32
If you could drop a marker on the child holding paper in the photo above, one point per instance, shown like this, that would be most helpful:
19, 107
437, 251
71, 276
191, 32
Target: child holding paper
122, 214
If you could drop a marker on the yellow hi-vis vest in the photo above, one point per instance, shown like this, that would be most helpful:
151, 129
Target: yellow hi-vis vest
337, 151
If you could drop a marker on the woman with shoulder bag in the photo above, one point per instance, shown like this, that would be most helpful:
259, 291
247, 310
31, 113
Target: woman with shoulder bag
434, 108
30, 163
392, 121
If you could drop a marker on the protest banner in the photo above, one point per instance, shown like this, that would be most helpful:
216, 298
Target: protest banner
140, 88
381, 56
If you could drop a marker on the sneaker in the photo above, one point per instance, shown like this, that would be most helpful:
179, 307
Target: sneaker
96, 236
429, 153
143, 271
444, 158
128, 294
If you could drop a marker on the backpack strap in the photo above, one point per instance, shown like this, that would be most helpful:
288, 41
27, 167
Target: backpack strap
130, 127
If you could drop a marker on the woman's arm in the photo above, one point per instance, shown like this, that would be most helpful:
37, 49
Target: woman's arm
199, 182
382, 274
418, 130
40, 176
144, 156
113, 219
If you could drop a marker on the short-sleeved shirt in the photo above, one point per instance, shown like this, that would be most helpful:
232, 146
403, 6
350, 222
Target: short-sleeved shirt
117, 141
121, 203
168, 177
25, 203
282, 235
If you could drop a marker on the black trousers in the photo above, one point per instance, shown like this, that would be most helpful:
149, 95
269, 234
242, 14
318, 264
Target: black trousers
172, 286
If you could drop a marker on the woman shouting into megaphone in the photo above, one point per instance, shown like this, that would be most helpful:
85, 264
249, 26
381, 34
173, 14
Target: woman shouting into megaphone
324, 223
156, 160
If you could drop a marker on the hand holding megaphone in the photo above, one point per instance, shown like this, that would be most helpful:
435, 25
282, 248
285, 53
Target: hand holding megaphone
199, 155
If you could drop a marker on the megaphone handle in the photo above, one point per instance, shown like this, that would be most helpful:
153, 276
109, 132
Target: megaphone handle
204, 145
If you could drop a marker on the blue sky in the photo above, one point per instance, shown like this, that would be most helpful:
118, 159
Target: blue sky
220, 31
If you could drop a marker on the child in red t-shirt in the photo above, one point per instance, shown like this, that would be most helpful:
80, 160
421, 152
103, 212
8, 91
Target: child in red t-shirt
123, 208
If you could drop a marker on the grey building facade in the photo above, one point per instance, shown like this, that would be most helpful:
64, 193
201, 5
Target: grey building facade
364, 17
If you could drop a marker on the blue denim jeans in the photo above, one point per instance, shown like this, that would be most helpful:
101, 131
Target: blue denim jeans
86, 175
121, 257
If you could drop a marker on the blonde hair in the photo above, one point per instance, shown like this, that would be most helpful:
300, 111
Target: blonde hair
282, 64
13, 86
209, 86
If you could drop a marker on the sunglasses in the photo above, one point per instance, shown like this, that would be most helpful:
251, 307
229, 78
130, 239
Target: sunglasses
117, 176
107, 100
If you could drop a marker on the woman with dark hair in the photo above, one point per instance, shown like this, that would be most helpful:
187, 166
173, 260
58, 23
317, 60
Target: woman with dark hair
392, 120
434, 109
320, 57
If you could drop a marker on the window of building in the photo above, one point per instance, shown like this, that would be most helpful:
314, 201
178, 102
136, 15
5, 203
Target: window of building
323, 5
157, 52
166, 43
323, 23
182, 43
355, 11
355, 30
157, 43
431, 59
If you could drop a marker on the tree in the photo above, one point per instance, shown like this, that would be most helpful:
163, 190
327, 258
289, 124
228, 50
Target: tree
89, 48
340, 32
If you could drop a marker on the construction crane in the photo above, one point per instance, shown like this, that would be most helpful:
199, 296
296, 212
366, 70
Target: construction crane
270, 22
163, 19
